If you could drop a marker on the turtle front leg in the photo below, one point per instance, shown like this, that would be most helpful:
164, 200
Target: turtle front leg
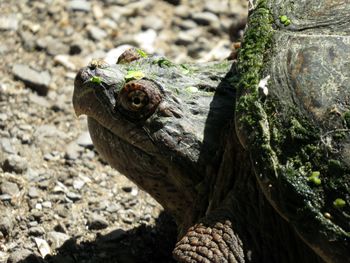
212, 240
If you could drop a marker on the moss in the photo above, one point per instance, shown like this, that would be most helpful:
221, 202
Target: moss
251, 54
338, 135
250, 116
335, 168
285, 20
191, 89
339, 203
315, 174
249, 67
346, 117
163, 62
134, 75
96, 79
314, 178
185, 69
141, 52
250, 64
297, 131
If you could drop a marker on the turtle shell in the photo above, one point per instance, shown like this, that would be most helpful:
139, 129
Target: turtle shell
293, 115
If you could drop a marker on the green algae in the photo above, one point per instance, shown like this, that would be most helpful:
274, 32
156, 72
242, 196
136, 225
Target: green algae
285, 20
185, 69
142, 53
250, 64
191, 89
339, 203
314, 178
346, 117
96, 79
163, 62
251, 58
134, 75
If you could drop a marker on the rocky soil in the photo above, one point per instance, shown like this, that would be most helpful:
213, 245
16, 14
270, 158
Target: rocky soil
59, 202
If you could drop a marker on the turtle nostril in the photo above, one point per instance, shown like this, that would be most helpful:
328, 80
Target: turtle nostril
85, 74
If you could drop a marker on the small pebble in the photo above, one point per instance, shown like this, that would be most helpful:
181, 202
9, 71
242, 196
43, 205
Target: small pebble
47, 204
73, 151
43, 247
79, 5
217, 7
84, 140
19, 255
6, 146
327, 215
187, 24
73, 196
59, 188
9, 22
96, 33
9, 188
5, 197
97, 222
39, 81
152, 22
15, 163
185, 38
52, 46
62, 211
56, 239
112, 208
33, 223
36, 231
33, 192
65, 61
134, 191
146, 40
78, 184
3, 256
6, 225
205, 18
39, 100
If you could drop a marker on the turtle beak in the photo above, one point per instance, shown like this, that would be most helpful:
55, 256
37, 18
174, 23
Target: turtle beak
80, 90
96, 88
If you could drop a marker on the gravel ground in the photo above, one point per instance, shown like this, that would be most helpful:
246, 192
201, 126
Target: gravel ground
59, 202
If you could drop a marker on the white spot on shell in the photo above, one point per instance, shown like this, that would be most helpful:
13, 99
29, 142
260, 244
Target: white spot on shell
263, 85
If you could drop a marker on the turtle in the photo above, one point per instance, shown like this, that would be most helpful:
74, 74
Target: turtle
250, 156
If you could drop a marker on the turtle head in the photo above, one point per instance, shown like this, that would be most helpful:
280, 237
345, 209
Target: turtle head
147, 118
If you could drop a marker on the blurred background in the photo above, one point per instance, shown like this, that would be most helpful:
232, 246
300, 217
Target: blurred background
58, 200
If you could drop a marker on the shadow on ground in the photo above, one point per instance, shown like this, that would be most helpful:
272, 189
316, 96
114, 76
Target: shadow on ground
142, 244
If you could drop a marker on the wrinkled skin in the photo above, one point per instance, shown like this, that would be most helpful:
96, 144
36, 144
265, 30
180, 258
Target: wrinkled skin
234, 167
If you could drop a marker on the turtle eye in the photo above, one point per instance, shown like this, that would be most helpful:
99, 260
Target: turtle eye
138, 99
